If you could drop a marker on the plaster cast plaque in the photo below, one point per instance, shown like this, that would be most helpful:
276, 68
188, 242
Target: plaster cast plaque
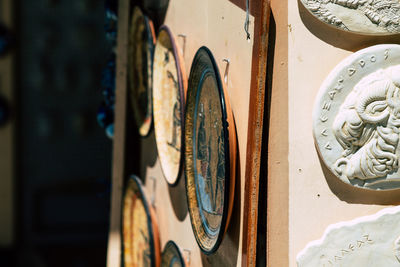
356, 118
369, 241
363, 16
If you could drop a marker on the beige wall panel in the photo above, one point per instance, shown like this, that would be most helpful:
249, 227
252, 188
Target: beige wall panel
313, 205
217, 24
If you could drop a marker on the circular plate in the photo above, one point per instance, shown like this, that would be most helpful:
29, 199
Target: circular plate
210, 152
172, 256
140, 68
356, 118
358, 16
169, 90
140, 231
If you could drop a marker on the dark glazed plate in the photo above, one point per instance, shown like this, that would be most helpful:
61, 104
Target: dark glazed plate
169, 91
140, 69
172, 256
210, 152
141, 245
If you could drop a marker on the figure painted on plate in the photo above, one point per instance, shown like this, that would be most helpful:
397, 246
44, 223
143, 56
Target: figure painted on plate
176, 116
210, 154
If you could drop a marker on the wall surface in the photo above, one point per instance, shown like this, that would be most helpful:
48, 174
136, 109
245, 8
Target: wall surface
217, 24
298, 182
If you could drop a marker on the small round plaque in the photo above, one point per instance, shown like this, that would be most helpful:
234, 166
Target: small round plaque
210, 152
140, 69
141, 245
356, 119
169, 90
172, 256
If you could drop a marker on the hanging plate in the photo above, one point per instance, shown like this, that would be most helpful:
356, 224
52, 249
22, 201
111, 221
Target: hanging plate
210, 152
172, 256
140, 231
140, 68
169, 90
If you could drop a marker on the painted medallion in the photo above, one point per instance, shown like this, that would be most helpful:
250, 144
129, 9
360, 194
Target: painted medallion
169, 90
360, 16
210, 152
140, 233
356, 119
172, 256
140, 66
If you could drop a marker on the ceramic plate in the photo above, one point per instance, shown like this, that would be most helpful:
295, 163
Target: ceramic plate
169, 90
210, 152
172, 256
140, 66
140, 232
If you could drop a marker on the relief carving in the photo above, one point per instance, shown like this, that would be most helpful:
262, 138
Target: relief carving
358, 15
356, 119
367, 127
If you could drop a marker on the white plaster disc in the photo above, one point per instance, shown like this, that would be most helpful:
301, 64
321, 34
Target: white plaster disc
369, 241
361, 16
356, 118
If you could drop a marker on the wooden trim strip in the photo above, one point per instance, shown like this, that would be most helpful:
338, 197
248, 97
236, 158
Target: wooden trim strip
255, 130
118, 163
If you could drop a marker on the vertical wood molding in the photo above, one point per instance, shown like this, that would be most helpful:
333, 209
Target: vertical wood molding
118, 162
255, 130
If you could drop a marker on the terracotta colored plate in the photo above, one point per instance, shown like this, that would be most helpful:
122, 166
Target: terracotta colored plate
210, 152
172, 256
140, 68
141, 243
169, 90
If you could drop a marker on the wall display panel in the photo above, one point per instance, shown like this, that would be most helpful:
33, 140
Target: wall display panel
304, 196
169, 92
355, 118
140, 69
217, 24
210, 152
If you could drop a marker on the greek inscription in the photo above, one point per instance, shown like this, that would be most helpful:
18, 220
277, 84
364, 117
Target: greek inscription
323, 119
351, 71
328, 146
327, 106
373, 58
386, 54
324, 132
348, 251
341, 79
332, 94
362, 63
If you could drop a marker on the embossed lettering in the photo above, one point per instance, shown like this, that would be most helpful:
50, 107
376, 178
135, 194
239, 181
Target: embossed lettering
323, 119
373, 58
386, 54
328, 146
362, 63
324, 132
351, 71
326, 105
332, 94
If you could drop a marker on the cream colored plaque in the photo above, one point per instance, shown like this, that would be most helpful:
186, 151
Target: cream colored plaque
369, 241
356, 118
362, 16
